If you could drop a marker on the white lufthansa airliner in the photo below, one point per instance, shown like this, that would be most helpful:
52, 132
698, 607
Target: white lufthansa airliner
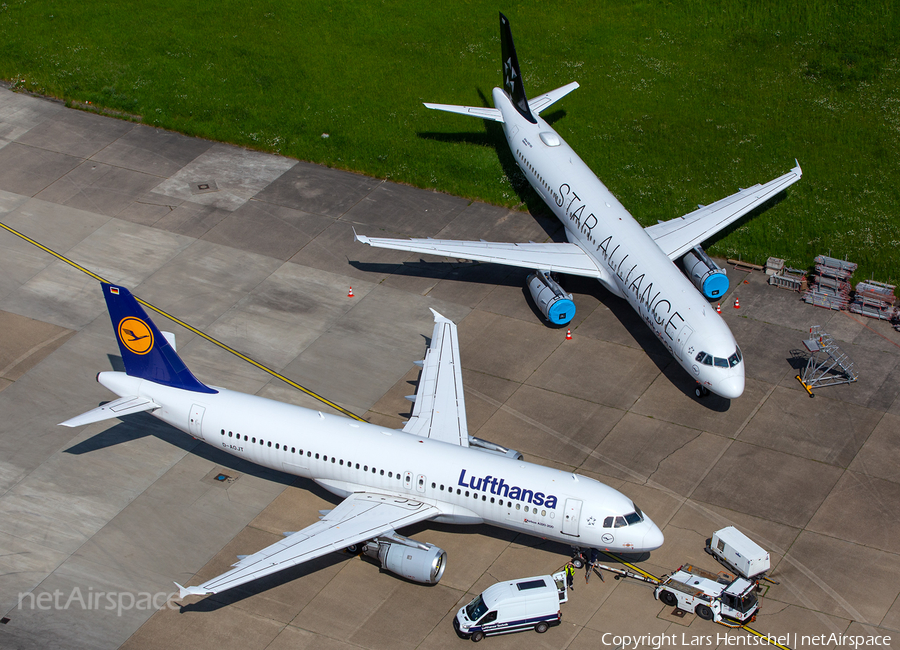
432, 469
606, 243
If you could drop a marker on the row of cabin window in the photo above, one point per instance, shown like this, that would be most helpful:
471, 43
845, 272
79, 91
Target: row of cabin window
389, 474
484, 498
365, 468
534, 171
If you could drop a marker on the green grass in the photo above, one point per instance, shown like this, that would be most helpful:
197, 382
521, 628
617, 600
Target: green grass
679, 104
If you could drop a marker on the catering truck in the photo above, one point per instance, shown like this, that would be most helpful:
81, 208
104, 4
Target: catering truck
513, 606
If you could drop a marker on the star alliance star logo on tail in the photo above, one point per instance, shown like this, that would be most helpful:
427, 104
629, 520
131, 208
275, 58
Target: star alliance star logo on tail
510, 75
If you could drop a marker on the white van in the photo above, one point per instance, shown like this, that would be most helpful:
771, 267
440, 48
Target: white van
514, 606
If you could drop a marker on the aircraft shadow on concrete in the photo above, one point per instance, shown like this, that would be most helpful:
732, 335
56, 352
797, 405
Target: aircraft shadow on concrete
141, 425
474, 272
647, 341
493, 136
234, 595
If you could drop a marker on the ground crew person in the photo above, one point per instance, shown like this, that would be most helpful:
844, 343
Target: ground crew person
570, 575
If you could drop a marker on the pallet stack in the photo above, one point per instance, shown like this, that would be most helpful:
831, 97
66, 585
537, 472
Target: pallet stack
830, 285
875, 300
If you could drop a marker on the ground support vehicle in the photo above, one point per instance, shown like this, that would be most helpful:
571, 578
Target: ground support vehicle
713, 597
513, 606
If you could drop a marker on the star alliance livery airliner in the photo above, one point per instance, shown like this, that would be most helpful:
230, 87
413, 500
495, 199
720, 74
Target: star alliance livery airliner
606, 243
432, 469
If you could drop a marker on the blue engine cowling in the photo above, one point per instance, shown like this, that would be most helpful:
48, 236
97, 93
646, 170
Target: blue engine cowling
555, 304
706, 275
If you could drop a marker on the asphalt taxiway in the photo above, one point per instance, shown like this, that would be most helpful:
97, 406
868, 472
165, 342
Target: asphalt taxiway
257, 250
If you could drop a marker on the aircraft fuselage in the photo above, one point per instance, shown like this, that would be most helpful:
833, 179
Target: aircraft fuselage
468, 485
633, 266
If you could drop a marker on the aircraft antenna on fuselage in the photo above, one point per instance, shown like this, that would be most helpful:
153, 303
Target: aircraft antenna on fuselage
512, 76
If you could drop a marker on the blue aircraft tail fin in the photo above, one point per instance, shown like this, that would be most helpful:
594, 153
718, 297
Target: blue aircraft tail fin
512, 76
145, 351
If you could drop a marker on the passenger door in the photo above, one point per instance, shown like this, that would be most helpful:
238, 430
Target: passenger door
683, 335
571, 517
196, 421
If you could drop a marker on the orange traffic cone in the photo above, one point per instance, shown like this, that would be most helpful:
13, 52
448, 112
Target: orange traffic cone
737, 304
718, 308
568, 335
350, 295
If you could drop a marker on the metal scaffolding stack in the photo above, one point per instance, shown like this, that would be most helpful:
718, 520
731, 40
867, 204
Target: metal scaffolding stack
790, 279
875, 300
830, 286
827, 364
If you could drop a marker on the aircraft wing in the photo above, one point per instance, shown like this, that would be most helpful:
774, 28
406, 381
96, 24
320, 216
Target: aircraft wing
543, 101
360, 517
473, 111
562, 258
440, 407
115, 409
677, 236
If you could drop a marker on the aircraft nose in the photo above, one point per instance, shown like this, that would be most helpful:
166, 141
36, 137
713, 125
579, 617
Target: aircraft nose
653, 538
730, 387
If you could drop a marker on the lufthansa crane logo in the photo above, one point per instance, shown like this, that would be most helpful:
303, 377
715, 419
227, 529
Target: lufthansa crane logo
135, 335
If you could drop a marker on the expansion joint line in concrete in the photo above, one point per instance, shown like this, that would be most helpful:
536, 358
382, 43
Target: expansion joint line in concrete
191, 328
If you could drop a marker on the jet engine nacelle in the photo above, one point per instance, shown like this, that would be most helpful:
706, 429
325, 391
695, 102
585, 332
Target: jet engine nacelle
408, 558
494, 448
555, 304
706, 275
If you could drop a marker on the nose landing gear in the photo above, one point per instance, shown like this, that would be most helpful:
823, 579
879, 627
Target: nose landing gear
701, 391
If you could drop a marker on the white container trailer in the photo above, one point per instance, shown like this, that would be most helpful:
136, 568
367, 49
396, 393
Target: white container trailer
738, 552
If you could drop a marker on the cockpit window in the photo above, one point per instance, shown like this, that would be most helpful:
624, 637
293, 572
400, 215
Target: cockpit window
620, 522
705, 359
608, 522
632, 518
735, 358
720, 362
640, 514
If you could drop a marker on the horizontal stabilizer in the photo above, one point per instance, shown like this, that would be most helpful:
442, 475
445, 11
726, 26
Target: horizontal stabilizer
473, 111
115, 409
544, 101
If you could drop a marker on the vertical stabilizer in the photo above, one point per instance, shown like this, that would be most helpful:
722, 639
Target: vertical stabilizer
512, 76
145, 351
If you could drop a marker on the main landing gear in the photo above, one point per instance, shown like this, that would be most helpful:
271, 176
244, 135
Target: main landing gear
578, 558
701, 391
